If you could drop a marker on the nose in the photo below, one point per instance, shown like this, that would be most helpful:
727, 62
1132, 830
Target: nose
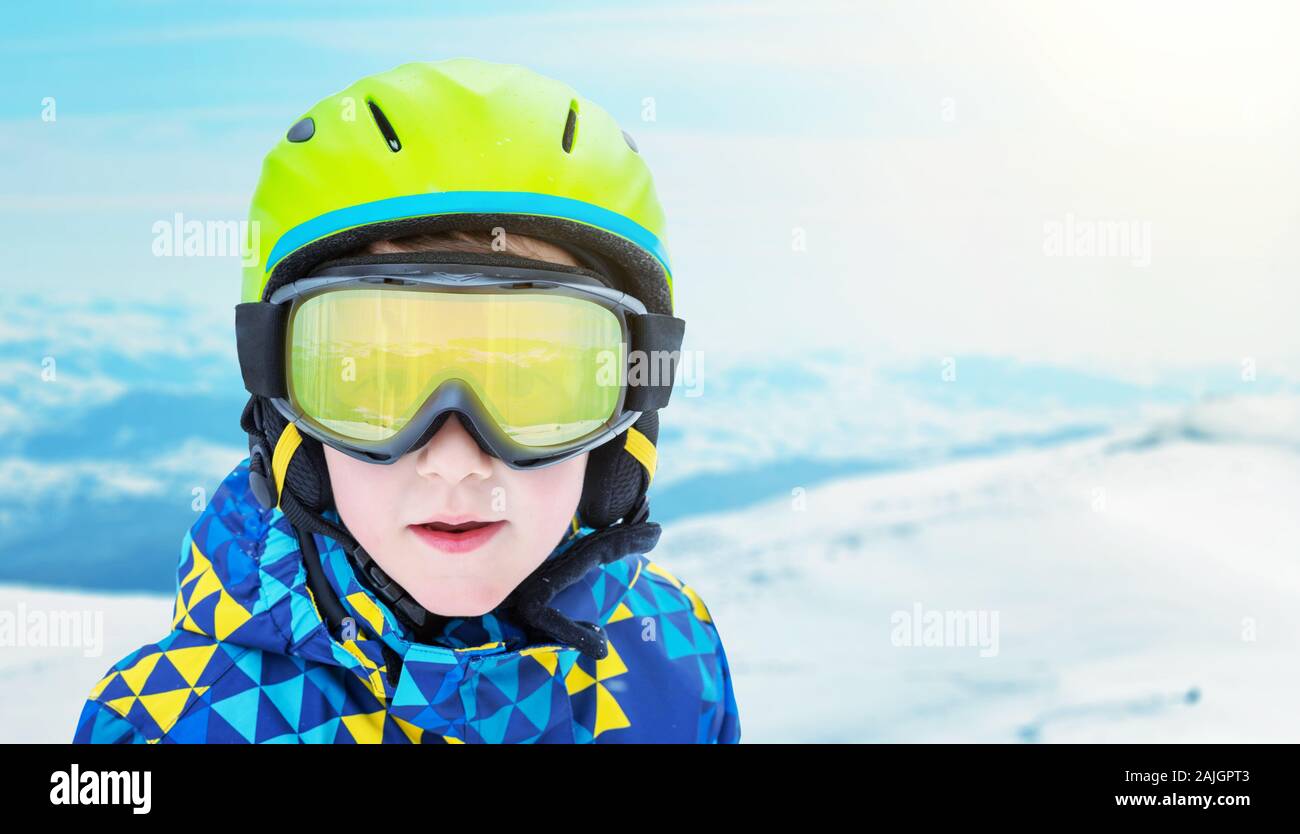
452, 455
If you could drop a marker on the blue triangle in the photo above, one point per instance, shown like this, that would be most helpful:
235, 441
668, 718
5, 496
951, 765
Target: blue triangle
675, 642
537, 707
709, 678
494, 727
270, 723
701, 636
505, 677
240, 712
193, 726
326, 680
323, 734
250, 663
287, 698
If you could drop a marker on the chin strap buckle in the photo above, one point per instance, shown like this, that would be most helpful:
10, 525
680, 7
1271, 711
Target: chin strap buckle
531, 601
259, 476
390, 591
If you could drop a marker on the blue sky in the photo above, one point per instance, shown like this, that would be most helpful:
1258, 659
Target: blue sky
919, 149
859, 198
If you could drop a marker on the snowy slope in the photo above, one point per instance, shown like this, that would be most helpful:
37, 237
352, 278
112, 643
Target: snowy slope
1126, 575
1145, 588
42, 687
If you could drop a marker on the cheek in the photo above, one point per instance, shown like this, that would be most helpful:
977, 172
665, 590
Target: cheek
542, 502
363, 494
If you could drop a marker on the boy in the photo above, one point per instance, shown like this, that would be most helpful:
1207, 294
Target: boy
461, 266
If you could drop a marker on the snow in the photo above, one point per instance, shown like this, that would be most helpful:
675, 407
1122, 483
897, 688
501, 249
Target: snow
1145, 590
1144, 586
43, 687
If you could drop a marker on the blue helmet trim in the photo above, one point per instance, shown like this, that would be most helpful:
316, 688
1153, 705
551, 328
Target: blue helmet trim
466, 202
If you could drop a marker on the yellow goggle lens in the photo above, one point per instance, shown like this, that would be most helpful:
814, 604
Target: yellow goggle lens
547, 367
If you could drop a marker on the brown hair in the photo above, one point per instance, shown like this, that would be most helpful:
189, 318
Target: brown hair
465, 241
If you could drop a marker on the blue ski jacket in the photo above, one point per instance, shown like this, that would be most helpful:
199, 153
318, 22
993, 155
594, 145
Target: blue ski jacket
249, 658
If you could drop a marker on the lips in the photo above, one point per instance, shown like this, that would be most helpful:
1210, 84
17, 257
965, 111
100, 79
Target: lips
459, 537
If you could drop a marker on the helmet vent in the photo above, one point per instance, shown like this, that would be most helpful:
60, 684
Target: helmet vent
570, 127
385, 128
302, 130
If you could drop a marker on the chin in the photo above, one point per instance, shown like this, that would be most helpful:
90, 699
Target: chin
465, 602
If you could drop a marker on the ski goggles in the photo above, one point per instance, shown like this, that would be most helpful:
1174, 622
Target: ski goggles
541, 363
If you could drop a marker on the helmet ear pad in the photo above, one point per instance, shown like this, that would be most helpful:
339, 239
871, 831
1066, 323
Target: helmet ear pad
613, 484
308, 475
615, 481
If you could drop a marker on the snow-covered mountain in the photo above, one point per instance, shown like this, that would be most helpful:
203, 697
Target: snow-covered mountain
117, 420
1138, 586
1145, 588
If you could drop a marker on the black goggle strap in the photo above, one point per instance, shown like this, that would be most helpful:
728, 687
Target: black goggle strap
656, 345
260, 334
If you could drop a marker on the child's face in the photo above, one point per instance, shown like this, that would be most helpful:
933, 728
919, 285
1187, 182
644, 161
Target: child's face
451, 479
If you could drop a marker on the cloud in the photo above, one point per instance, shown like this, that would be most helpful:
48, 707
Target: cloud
197, 463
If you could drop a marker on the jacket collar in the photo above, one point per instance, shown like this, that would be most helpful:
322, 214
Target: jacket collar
242, 581
594, 598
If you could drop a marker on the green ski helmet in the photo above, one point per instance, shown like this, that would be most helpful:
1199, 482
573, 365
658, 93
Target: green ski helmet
457, 144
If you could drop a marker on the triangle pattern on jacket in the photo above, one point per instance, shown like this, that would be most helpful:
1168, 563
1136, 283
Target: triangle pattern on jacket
249, 658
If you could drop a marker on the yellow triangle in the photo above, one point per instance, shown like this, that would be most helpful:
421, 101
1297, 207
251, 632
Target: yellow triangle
701, 612
577, 679
365, 606
191, 661
609, 715
366, 728
207, 585
121, 706
165, 707
622, 612
201, 564
190, 625
229, 616
477, 648
99, 687
377, 686
659, 570
413, 732
611, 666
363, 658
181, 611
546, 656
453, 740
136, 676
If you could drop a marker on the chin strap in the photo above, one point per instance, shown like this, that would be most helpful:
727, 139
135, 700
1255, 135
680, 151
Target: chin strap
305, 522
531, 601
